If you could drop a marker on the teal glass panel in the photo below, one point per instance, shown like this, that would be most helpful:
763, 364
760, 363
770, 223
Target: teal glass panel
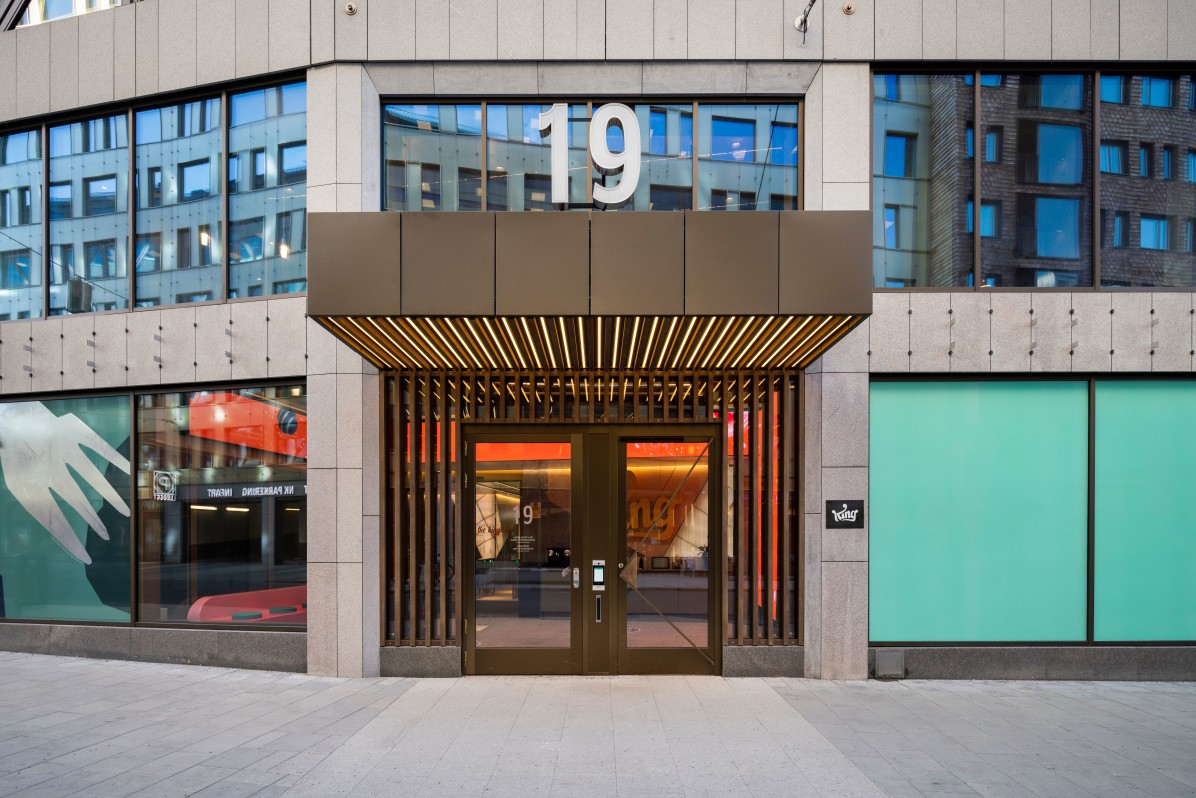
64, 513
1145, 510
979, 518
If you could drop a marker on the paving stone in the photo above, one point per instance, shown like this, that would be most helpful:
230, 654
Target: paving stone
91, 727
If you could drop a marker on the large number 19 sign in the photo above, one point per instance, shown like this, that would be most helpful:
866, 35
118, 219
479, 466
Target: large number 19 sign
625, 163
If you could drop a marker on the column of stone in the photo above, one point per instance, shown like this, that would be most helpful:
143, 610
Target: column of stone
835, 461
344, 400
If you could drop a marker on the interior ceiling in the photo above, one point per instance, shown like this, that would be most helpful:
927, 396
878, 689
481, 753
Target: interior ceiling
591, 343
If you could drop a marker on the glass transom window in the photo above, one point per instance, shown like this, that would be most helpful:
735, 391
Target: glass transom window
608, 156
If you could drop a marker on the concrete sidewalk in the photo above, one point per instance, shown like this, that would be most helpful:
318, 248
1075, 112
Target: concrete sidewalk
102, 728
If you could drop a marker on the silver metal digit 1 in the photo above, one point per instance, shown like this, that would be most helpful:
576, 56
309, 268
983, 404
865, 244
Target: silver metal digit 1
556, 119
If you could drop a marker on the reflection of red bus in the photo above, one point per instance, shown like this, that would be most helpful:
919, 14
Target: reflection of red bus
248, 421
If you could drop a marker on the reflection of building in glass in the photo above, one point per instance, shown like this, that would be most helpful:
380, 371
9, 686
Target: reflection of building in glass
921, 181
39, 11
20, 225
267, 179
1036, 180
89, 221
178, 203
176, 253
229, 544
746, 157
1148, 181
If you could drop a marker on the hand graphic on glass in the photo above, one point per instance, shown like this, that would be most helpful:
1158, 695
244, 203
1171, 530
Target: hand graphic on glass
42, 455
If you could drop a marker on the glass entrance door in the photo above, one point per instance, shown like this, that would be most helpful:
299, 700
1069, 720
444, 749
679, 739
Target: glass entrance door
667, 622
525, 534
591, 552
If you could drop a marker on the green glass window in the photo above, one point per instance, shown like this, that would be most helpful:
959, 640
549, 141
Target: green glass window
1145, 510
979, 520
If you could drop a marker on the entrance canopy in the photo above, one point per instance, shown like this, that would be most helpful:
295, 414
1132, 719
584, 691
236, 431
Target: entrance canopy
581, 291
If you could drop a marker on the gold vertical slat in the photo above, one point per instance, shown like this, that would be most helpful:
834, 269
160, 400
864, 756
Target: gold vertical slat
753, 491
758, 463
738, 507
517, 396
443, 505
785, 526
402, 505
592, 395
413, 448
798, 440
429, 455
496, 397
769, 515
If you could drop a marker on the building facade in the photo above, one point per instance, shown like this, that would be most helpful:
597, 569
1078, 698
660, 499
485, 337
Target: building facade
275, 312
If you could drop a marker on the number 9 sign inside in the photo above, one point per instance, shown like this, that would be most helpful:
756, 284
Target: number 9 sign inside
626, 164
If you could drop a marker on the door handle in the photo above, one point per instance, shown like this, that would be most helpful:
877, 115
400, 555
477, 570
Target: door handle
576, 577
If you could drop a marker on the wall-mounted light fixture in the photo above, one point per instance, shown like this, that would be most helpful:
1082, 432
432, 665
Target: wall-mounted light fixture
802, 23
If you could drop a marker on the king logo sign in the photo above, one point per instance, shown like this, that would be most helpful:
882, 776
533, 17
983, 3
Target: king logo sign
845, 514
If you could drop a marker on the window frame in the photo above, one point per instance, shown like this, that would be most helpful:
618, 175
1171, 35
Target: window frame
909, 159
1114, 145
1148, 83
88, 199
1163, 233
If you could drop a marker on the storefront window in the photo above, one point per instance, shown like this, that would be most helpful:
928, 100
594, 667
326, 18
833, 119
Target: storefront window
222, 494
1145, 558
89, 236
20, 225
979, 511
64, 512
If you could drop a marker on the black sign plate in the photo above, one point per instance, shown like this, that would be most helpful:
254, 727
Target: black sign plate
845, 514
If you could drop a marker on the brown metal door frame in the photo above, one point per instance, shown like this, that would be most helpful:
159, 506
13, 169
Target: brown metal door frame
522, 660
598, 503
